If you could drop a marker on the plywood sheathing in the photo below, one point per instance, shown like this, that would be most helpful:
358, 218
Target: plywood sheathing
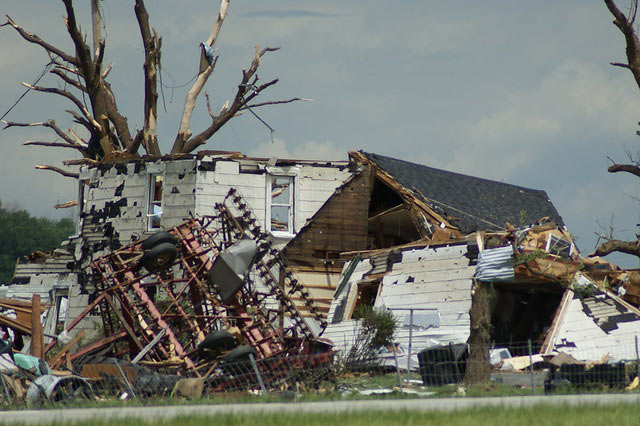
339, 225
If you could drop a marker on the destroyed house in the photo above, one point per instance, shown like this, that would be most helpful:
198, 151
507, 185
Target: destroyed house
407, 237
127, 201
371, 231
390, 202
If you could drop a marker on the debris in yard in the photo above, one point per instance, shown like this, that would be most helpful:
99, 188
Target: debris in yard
200, 300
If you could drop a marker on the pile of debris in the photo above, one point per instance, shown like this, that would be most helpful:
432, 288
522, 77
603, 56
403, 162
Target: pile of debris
196, 305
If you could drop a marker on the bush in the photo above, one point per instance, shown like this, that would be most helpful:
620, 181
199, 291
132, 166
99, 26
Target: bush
376, 328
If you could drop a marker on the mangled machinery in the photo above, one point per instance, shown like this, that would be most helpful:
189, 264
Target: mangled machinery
201, 293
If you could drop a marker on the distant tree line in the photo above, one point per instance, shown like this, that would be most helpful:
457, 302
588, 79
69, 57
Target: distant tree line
22, 234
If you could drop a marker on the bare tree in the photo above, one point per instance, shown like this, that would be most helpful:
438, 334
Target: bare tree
85, 76
626, 23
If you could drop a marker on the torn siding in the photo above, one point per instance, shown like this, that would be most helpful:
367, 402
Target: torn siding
593, 327
436, 280
313, 185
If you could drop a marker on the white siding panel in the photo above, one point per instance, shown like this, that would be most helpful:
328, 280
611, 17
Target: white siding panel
440, 282
581, 337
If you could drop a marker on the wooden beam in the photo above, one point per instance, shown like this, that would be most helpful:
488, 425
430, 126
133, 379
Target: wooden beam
36, 327
53, 362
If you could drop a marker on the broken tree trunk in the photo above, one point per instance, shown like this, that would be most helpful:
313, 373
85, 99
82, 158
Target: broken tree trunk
478, 367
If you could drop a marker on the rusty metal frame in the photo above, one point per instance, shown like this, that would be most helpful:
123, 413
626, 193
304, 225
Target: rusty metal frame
136, 305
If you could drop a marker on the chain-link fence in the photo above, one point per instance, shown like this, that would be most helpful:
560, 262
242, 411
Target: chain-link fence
436, 371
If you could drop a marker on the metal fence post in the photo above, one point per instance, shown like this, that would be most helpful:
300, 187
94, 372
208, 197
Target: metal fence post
637, 358
533, 385
410, 341
124, 378
255, 370
395, 358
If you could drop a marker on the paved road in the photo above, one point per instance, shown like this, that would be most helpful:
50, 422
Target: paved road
441, 404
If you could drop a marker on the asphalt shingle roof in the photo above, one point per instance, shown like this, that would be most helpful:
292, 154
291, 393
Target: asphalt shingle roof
480, 204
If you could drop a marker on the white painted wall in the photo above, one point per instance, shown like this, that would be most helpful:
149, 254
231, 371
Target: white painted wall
437, 279
581, 337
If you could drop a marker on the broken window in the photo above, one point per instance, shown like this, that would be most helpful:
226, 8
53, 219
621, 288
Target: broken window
558, 246
366, 294
280, 204
154, 203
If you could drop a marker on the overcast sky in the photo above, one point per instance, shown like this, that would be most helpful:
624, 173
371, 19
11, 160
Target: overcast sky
516, 91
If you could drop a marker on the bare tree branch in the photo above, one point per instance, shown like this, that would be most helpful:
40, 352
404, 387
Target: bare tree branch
78, 103
58, 170
32, 38
625, 25
50, 124
246, 92
608, 247
77, 138
284, 101
628, 168
205, 70
152, 45
107, 70
69, 80
54, 144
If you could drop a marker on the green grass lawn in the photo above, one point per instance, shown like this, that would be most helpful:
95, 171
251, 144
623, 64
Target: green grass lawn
618, 415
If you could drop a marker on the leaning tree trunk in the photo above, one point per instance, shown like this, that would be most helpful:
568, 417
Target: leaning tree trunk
478, 367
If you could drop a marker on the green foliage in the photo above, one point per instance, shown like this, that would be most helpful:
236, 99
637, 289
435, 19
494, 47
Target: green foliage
22, 234
376, 329
522, 220
523, 258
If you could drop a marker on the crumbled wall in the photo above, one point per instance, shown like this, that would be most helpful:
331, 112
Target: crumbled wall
436, 279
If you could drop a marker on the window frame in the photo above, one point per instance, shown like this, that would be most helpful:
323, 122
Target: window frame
152, 180
291, 226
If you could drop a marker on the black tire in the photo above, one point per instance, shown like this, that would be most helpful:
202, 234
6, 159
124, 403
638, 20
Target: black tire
239, 354
218, 340
159, 257
159, 238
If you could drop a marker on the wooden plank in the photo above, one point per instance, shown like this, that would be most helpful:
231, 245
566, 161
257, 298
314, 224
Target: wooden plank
53, 361
36, 327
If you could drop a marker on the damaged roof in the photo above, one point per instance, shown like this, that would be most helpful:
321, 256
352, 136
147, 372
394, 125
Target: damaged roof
475, 203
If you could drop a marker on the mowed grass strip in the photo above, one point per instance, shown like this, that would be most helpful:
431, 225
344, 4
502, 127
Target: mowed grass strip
618, 415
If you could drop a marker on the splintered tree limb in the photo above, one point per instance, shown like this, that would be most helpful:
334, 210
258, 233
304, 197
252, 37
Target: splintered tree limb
50, 124
69, 80
246, 92
81, 162
58, 170
77, 138
611, 246
205, 70
81, 120
628, 168
103, 103
32, 38
626, 26
69, 96
81, 149
284, 101
83, 52
152, 46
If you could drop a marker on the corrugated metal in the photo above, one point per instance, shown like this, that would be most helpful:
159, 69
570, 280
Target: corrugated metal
495, 265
